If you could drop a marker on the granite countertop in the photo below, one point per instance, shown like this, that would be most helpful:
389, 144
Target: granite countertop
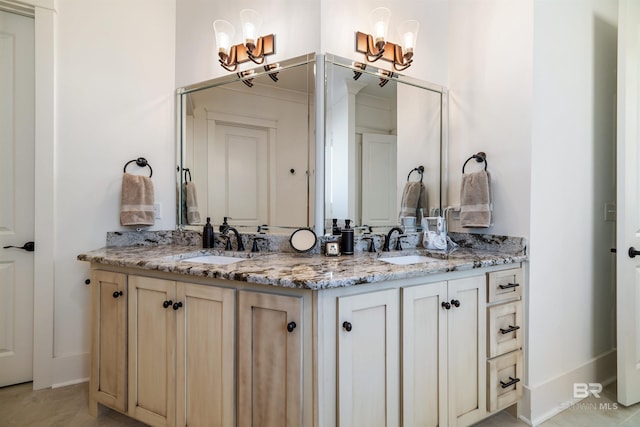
305, 271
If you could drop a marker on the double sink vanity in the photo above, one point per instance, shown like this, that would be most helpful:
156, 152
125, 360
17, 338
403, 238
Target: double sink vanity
189, 336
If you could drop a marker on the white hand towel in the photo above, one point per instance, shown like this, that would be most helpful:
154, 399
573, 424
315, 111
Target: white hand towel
137, 200
475, 200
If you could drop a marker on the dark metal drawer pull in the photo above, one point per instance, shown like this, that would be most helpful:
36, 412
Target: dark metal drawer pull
510, 383
511, 329
510, 285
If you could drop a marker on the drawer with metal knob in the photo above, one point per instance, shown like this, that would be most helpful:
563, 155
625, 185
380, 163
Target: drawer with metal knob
504, 328
504, 285
504, 380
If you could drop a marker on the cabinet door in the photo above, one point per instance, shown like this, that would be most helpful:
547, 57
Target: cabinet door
269, 360
151, 350
368, 365
108, 380
466, 350
205, 356
424, 353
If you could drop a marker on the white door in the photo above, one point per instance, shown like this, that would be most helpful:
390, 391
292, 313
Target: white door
16, 197
239, 175
628, 203
379, 195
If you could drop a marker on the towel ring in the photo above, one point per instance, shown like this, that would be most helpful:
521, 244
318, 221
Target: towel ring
140, 161
419, 169
480, 157
187, 171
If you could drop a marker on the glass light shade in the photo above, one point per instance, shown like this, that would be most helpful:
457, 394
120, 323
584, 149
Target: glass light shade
379, 18
251, 22
224, 35
408, 31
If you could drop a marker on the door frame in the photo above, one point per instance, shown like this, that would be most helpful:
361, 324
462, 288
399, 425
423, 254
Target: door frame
44, 26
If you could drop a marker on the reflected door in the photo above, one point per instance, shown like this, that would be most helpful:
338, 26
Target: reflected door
379, 195
239, 174
16, 196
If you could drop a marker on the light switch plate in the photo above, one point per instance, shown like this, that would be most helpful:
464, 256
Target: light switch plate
157, 209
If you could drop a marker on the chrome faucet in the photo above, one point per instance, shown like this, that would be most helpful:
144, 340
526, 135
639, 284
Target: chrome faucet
385, 248
225, 228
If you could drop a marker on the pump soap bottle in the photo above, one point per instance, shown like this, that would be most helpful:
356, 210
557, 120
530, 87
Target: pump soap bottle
347, 238
207, 235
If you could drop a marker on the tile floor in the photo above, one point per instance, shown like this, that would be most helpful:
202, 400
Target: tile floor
20, 406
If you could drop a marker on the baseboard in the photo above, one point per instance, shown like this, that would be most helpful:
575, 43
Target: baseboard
545, 400
70, 369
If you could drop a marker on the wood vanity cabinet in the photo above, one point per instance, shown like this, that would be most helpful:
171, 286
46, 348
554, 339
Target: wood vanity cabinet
368, 359
108, 379
270, 392
443, 346
181, 353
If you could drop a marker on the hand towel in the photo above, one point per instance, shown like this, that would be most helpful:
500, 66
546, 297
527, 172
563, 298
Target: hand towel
191, 202
136, 200
414, 197
475, 200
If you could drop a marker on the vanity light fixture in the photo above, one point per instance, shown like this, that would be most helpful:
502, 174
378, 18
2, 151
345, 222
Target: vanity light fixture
254, 47
375, 46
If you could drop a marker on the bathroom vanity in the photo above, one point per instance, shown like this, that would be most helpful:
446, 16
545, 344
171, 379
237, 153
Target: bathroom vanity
283, 339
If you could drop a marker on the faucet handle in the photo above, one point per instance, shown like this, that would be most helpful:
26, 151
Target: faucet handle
372, 243
254, 247
398, 242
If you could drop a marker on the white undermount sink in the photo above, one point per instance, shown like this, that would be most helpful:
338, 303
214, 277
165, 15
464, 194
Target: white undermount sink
408, 259
214, 259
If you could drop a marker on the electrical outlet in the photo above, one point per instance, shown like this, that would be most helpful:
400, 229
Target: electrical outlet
610, 212
157, 209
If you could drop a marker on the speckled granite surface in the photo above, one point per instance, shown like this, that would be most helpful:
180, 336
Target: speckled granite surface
309, 271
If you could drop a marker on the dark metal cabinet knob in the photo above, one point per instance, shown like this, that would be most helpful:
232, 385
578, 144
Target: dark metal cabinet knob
167, 304
347, 326
177, 305
87, 282
291, 326
455, 303
633, 252
117, 294
446, 305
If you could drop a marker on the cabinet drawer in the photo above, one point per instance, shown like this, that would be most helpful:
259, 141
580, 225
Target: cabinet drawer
504, 285
505, 328
505, 382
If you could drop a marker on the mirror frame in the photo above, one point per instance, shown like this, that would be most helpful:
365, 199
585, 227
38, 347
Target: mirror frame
181, 108
329, 60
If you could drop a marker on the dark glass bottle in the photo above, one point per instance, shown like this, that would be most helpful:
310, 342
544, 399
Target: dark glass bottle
207, 235
346, 244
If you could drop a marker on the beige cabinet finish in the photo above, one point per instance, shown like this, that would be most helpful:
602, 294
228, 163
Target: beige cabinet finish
466, 356
270, 391
424, 355
152, 337
413, 352
108, 380
205, 357
443, 356
368, 359
181, 353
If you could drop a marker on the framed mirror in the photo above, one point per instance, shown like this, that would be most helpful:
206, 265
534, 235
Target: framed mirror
382, 131
246, 148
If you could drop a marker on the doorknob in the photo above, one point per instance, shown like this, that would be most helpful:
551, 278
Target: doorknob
633, 252
29, 247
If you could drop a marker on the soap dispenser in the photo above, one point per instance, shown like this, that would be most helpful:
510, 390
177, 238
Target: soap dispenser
335, 230
207, 235
347, 238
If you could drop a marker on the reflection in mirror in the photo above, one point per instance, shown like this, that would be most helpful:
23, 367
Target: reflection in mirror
378, 132
246, 146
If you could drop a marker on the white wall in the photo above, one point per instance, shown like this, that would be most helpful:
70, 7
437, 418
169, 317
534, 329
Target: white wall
571, 303
115, 80
490, 75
